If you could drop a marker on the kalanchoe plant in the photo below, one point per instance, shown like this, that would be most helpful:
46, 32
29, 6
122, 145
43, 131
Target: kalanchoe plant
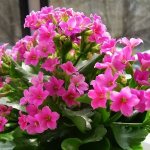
68, 86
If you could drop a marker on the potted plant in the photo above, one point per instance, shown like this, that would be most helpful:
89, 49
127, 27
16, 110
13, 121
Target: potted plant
72, 86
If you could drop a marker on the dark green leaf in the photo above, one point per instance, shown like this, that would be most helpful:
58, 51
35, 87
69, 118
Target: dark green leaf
89, 67
129, 135
71, 144
97, 135
84, 99
80, 118
132, 83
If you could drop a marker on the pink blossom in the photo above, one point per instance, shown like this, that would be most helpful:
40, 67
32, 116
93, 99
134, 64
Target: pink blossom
70, 27
3, 121
55, 86
98, 96
106, 63
32, 109
19, 50
123, 101
45, 49
25, 100
37, 80
132, 42
50, 64
1, 82
78, 82
31, 57
144, 59
142, 77
83, 22
22, 121
147, 96
120, 59
5, 110
37, 95
70, 96
141, 106
47, 118
108, 46
99, 34
2, 51
46, 33
106, 80
68, 68
32, 20
34, 126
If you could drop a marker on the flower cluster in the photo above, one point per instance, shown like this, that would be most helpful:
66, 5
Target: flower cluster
71, 62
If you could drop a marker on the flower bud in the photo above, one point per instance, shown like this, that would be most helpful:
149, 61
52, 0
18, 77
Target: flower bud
88, 32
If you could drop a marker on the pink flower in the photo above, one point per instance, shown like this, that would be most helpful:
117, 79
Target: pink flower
47, 118
37, 95
32, 109
142, 77
123, 101
106, 63
37, 80
108, 46
5, 110
1, 82
46, 33
78, 82
45, 49
34, 126
22, 121
120, 59
70, 27
98, 96
83, 22
144, 60
3, 121
55, 86
25, 100
147, 96
106, 80
141, 106
2, 51
31, 57
70, 97
50, 64
31, 20
68, 68
132, 42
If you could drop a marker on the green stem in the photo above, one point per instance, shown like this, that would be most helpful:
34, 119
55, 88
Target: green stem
115, 117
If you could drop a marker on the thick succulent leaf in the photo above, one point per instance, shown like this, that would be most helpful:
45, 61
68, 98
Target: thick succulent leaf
7, 145
128, 135
89, 67
71, 144
84, 99
80, 118
96, 135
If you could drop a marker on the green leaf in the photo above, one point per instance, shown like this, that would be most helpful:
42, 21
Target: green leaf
104, 115
128, 135
137, 147
71, 144
93, 136
103, 145
84, 99
132, 83
6, 145
80, 118
89, 67
97, 135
